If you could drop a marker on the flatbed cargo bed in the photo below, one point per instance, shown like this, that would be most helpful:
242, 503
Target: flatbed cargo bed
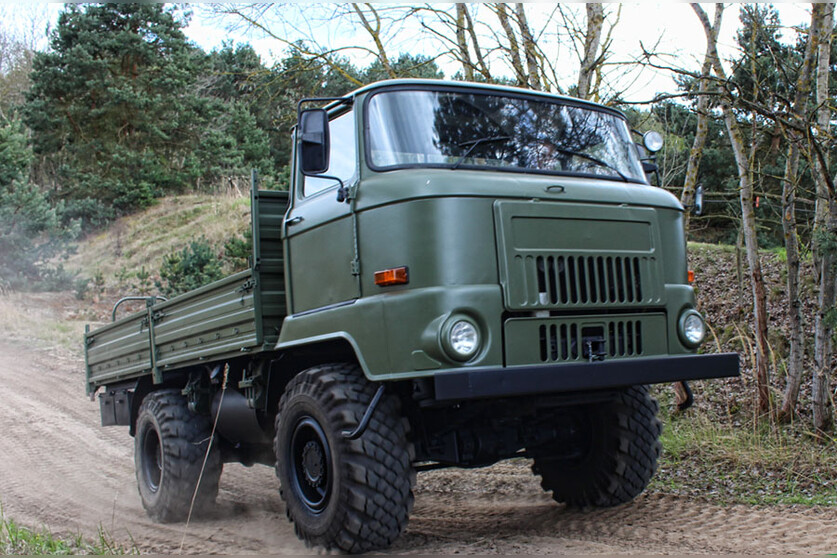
239, 314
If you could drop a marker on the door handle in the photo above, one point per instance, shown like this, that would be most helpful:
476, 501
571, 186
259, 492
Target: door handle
294, 221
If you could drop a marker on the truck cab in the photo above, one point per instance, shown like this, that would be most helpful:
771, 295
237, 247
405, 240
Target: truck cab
483, 229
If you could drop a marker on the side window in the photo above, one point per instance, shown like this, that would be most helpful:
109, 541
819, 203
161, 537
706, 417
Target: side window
342, 156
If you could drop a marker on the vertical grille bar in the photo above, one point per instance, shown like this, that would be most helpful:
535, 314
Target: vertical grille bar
591, 276
583, 280
564, 342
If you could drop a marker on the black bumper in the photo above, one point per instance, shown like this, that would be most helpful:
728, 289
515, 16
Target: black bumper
480, 383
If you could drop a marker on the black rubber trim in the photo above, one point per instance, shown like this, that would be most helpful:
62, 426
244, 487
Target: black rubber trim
554, 378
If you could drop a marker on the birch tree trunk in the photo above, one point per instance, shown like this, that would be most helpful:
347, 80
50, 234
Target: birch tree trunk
789, 186
687, 197
748, 219
825, 227
529, 48
462, 42
790, 182
513, 48
595, 22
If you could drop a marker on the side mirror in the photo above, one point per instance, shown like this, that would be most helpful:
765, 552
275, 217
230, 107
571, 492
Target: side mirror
314, 141
698, 207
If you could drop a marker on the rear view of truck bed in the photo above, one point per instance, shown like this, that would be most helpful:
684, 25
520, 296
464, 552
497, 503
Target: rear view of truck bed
239, 314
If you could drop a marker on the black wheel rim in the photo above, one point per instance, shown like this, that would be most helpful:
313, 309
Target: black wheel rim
311, 472
152, 458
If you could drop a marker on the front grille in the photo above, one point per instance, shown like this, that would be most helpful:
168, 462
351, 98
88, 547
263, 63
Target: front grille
562, 342
587, 279
584, 338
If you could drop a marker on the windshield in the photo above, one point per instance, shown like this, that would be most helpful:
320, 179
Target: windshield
492, 131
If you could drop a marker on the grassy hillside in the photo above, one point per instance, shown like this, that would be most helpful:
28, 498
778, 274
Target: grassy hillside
140, 241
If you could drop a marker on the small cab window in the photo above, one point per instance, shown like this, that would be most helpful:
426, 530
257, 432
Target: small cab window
342, 155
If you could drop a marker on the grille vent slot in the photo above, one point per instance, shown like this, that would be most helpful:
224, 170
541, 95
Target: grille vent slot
588, 279
565, 341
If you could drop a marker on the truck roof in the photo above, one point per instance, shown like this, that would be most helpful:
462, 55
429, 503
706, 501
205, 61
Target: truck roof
487, 87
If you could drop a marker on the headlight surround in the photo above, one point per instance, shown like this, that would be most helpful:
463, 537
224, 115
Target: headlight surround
461, 338
692, 328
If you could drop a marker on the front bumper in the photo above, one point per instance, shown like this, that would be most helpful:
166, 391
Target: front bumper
482, 383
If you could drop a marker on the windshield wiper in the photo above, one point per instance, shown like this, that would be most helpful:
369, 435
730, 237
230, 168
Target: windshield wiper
475, 143
593, 159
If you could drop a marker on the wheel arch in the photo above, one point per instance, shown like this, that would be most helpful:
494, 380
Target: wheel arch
145, 386
290, 359
321, 349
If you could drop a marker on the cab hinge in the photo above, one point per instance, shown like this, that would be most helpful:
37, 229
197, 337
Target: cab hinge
355, 267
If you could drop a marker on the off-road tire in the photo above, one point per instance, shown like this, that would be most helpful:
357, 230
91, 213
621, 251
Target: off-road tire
169, 450
351, 495
618, 458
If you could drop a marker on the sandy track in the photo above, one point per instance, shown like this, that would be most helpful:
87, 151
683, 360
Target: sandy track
60, 469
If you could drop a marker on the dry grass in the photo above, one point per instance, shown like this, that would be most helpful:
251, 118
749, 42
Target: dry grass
53, 322
707, 457
141, 240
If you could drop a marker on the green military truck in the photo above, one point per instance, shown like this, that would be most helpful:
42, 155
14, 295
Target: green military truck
460, 274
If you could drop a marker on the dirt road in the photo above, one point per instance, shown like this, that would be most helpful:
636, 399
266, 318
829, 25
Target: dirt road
61, 470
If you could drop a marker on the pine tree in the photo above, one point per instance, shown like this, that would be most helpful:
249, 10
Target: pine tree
122, 108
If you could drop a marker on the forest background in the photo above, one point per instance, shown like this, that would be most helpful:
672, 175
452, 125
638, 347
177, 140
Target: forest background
119, 109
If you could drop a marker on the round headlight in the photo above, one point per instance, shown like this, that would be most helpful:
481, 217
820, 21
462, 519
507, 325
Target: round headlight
463, 339
692, 328
652, 140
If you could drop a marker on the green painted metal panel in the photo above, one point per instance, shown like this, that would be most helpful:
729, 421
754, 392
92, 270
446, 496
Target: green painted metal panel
117, 351
204, 324
212, 322
320, 243
578, 256
555, 340
268, 209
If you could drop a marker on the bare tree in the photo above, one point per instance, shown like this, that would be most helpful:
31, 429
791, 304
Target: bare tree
825, 227
465, 48
512, 47
374, 31
24, 30
748, 218
706, 87
790, 182
462, 25
591, 60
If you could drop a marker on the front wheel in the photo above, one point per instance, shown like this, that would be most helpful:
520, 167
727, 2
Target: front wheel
353, 495
170, 449
617, 453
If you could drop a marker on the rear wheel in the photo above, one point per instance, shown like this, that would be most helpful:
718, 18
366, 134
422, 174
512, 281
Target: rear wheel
169, 451
617, 454
353, 495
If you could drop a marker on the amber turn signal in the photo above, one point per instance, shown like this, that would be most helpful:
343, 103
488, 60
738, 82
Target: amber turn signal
691, 276
394, 276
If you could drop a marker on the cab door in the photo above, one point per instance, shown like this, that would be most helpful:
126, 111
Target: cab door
319, 229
